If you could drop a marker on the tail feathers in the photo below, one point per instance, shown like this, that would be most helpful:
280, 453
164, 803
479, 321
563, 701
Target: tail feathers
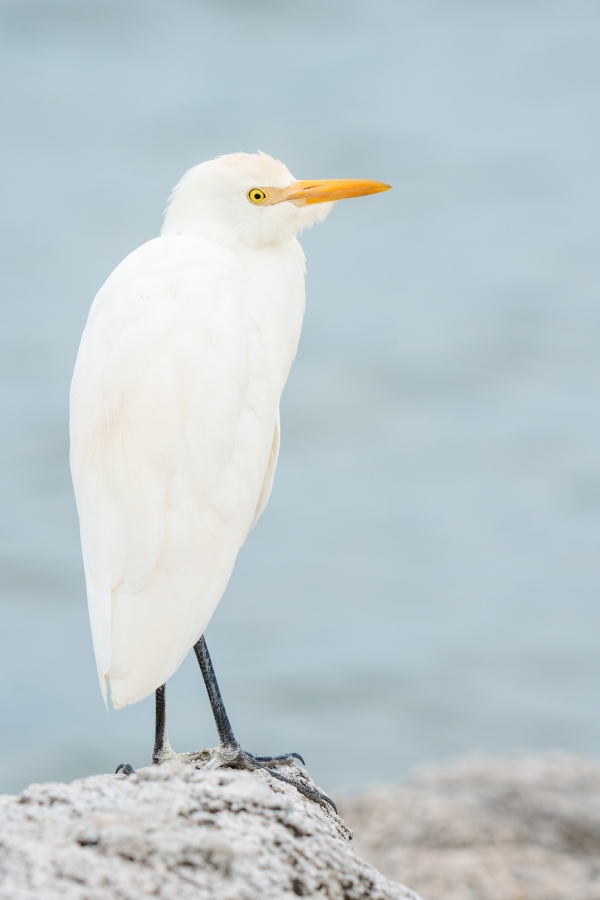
154, 629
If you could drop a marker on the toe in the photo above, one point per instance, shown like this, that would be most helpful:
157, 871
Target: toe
273, 760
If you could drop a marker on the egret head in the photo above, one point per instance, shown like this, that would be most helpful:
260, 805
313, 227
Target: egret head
252, 200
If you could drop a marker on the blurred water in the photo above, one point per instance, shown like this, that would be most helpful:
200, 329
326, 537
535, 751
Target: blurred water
425, 580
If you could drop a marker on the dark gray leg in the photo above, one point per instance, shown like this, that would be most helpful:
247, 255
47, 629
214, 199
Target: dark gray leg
229, 752
224, 729
162, 747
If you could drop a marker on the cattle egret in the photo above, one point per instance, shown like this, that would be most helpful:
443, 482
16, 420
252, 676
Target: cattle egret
175, 421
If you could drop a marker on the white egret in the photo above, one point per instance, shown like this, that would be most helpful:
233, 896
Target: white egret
175, 419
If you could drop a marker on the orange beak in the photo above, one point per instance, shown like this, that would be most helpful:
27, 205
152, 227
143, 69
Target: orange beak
301, 193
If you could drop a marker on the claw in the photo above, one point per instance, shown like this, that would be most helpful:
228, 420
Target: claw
308, 792
125, 768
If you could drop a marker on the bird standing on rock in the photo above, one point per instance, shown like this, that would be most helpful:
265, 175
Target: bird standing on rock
175, 420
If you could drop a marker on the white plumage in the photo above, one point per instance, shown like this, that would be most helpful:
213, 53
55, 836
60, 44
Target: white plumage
175, 408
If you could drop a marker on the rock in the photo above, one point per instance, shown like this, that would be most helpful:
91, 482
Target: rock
481, 829
176, 832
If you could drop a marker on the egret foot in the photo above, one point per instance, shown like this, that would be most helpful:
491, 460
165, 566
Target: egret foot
229, 752
232, 756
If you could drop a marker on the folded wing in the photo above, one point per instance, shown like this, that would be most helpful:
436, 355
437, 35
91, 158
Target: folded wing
173, 415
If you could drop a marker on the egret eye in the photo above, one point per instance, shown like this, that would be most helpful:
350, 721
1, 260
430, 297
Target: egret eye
256, 195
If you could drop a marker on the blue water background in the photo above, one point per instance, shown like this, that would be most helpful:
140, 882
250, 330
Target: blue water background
426, 579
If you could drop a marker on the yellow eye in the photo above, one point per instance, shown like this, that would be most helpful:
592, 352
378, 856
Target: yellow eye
255, 195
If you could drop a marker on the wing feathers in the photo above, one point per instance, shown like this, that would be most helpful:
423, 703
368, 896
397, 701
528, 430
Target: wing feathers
172, 411
267, 486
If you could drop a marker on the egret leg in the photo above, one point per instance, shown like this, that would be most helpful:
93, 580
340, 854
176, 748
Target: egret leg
224, 729
229, 752
162, 747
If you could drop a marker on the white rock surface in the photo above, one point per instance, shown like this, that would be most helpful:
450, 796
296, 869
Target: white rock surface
173, 832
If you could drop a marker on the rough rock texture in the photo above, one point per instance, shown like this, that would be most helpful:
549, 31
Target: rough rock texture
512, 829
174, 832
